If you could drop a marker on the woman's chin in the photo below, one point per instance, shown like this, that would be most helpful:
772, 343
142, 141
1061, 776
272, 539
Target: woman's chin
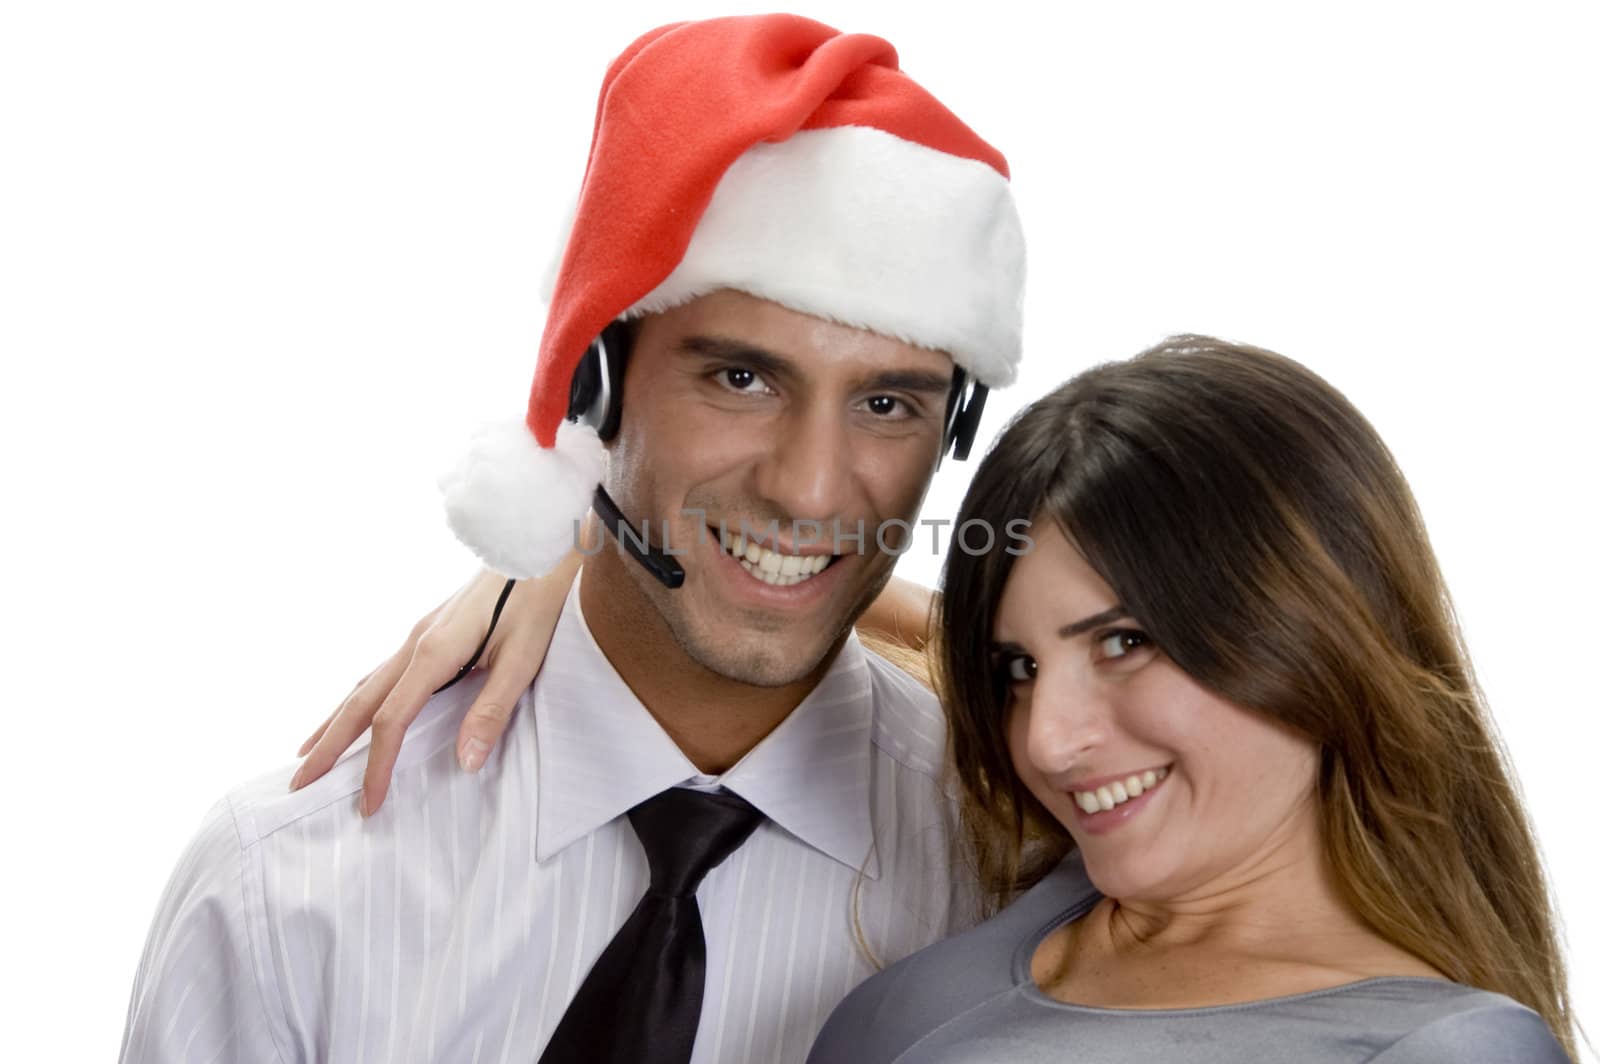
1134, 876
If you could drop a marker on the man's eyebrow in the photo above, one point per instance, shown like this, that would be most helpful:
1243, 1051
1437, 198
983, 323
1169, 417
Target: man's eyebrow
910, 380
722, 349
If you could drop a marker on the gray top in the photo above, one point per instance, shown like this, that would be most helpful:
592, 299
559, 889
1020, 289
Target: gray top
971, 999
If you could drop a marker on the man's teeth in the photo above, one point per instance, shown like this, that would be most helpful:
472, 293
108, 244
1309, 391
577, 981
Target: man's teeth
780, 570
1114, 794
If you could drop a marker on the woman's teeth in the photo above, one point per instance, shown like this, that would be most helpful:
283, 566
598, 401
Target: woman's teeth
1114, 794
780, 570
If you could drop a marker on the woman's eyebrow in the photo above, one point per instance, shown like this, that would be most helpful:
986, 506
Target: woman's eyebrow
1067, 631
1105, 616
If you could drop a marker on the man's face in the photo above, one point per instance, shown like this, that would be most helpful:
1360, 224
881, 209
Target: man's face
754, 414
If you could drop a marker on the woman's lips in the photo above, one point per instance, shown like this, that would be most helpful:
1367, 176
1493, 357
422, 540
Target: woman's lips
1113, 803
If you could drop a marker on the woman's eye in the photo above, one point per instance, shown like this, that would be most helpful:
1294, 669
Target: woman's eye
1122, 642
740, 379
1020, 668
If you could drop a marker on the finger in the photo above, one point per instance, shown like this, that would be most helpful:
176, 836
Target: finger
486, 721
345, 728
425, 673
309, 743
348, 722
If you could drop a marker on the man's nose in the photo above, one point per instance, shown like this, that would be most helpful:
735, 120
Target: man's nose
809, 472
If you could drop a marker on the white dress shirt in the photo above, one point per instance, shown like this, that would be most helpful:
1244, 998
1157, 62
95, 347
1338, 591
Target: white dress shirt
458, 922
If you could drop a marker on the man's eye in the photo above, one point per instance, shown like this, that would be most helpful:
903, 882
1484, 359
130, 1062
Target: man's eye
740, 379
1122, 642
892, 408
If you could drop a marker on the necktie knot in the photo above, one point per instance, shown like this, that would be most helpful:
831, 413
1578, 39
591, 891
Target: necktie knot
687, 833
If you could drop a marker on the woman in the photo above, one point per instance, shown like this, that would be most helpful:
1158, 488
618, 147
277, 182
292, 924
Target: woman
1227, 682
1217, 724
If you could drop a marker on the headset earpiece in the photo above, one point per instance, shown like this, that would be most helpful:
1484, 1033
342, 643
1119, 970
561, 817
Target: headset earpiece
962, 413
596, 395
966, 425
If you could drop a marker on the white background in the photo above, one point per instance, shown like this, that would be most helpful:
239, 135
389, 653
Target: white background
262, 267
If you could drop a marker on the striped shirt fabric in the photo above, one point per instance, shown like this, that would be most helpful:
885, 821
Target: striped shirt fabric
457, 923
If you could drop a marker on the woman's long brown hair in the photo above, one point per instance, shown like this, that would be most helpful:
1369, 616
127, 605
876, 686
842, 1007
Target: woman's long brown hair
1260, 530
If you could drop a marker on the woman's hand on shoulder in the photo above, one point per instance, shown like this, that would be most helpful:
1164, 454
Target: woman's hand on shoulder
389, 698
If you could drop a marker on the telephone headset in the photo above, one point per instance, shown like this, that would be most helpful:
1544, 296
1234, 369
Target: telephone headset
596, 400
596, 396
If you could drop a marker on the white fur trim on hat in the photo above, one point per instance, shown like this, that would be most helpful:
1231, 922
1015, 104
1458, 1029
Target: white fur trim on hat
519, 505
870, 230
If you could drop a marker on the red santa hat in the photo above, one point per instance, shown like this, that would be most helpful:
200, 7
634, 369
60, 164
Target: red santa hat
773, 155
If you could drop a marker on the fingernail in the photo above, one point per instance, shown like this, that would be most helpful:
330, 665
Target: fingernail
363, 804
472, 753
294, 782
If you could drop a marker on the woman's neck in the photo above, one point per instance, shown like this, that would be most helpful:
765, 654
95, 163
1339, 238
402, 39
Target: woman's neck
1274, 925
1286, 888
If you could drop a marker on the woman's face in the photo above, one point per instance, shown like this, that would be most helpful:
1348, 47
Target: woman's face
1170, 790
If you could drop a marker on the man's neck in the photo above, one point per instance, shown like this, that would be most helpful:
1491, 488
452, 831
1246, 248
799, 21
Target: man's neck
713, 720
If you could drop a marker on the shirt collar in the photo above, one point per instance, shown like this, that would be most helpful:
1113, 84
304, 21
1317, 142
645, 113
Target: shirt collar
601, 752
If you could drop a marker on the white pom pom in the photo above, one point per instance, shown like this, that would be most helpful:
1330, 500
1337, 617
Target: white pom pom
519, 505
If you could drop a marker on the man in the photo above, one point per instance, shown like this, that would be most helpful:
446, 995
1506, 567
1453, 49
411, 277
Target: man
715, 812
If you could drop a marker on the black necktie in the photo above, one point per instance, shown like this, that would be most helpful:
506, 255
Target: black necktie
641, 1001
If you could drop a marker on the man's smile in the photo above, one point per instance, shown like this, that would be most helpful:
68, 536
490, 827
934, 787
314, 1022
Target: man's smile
771, 564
